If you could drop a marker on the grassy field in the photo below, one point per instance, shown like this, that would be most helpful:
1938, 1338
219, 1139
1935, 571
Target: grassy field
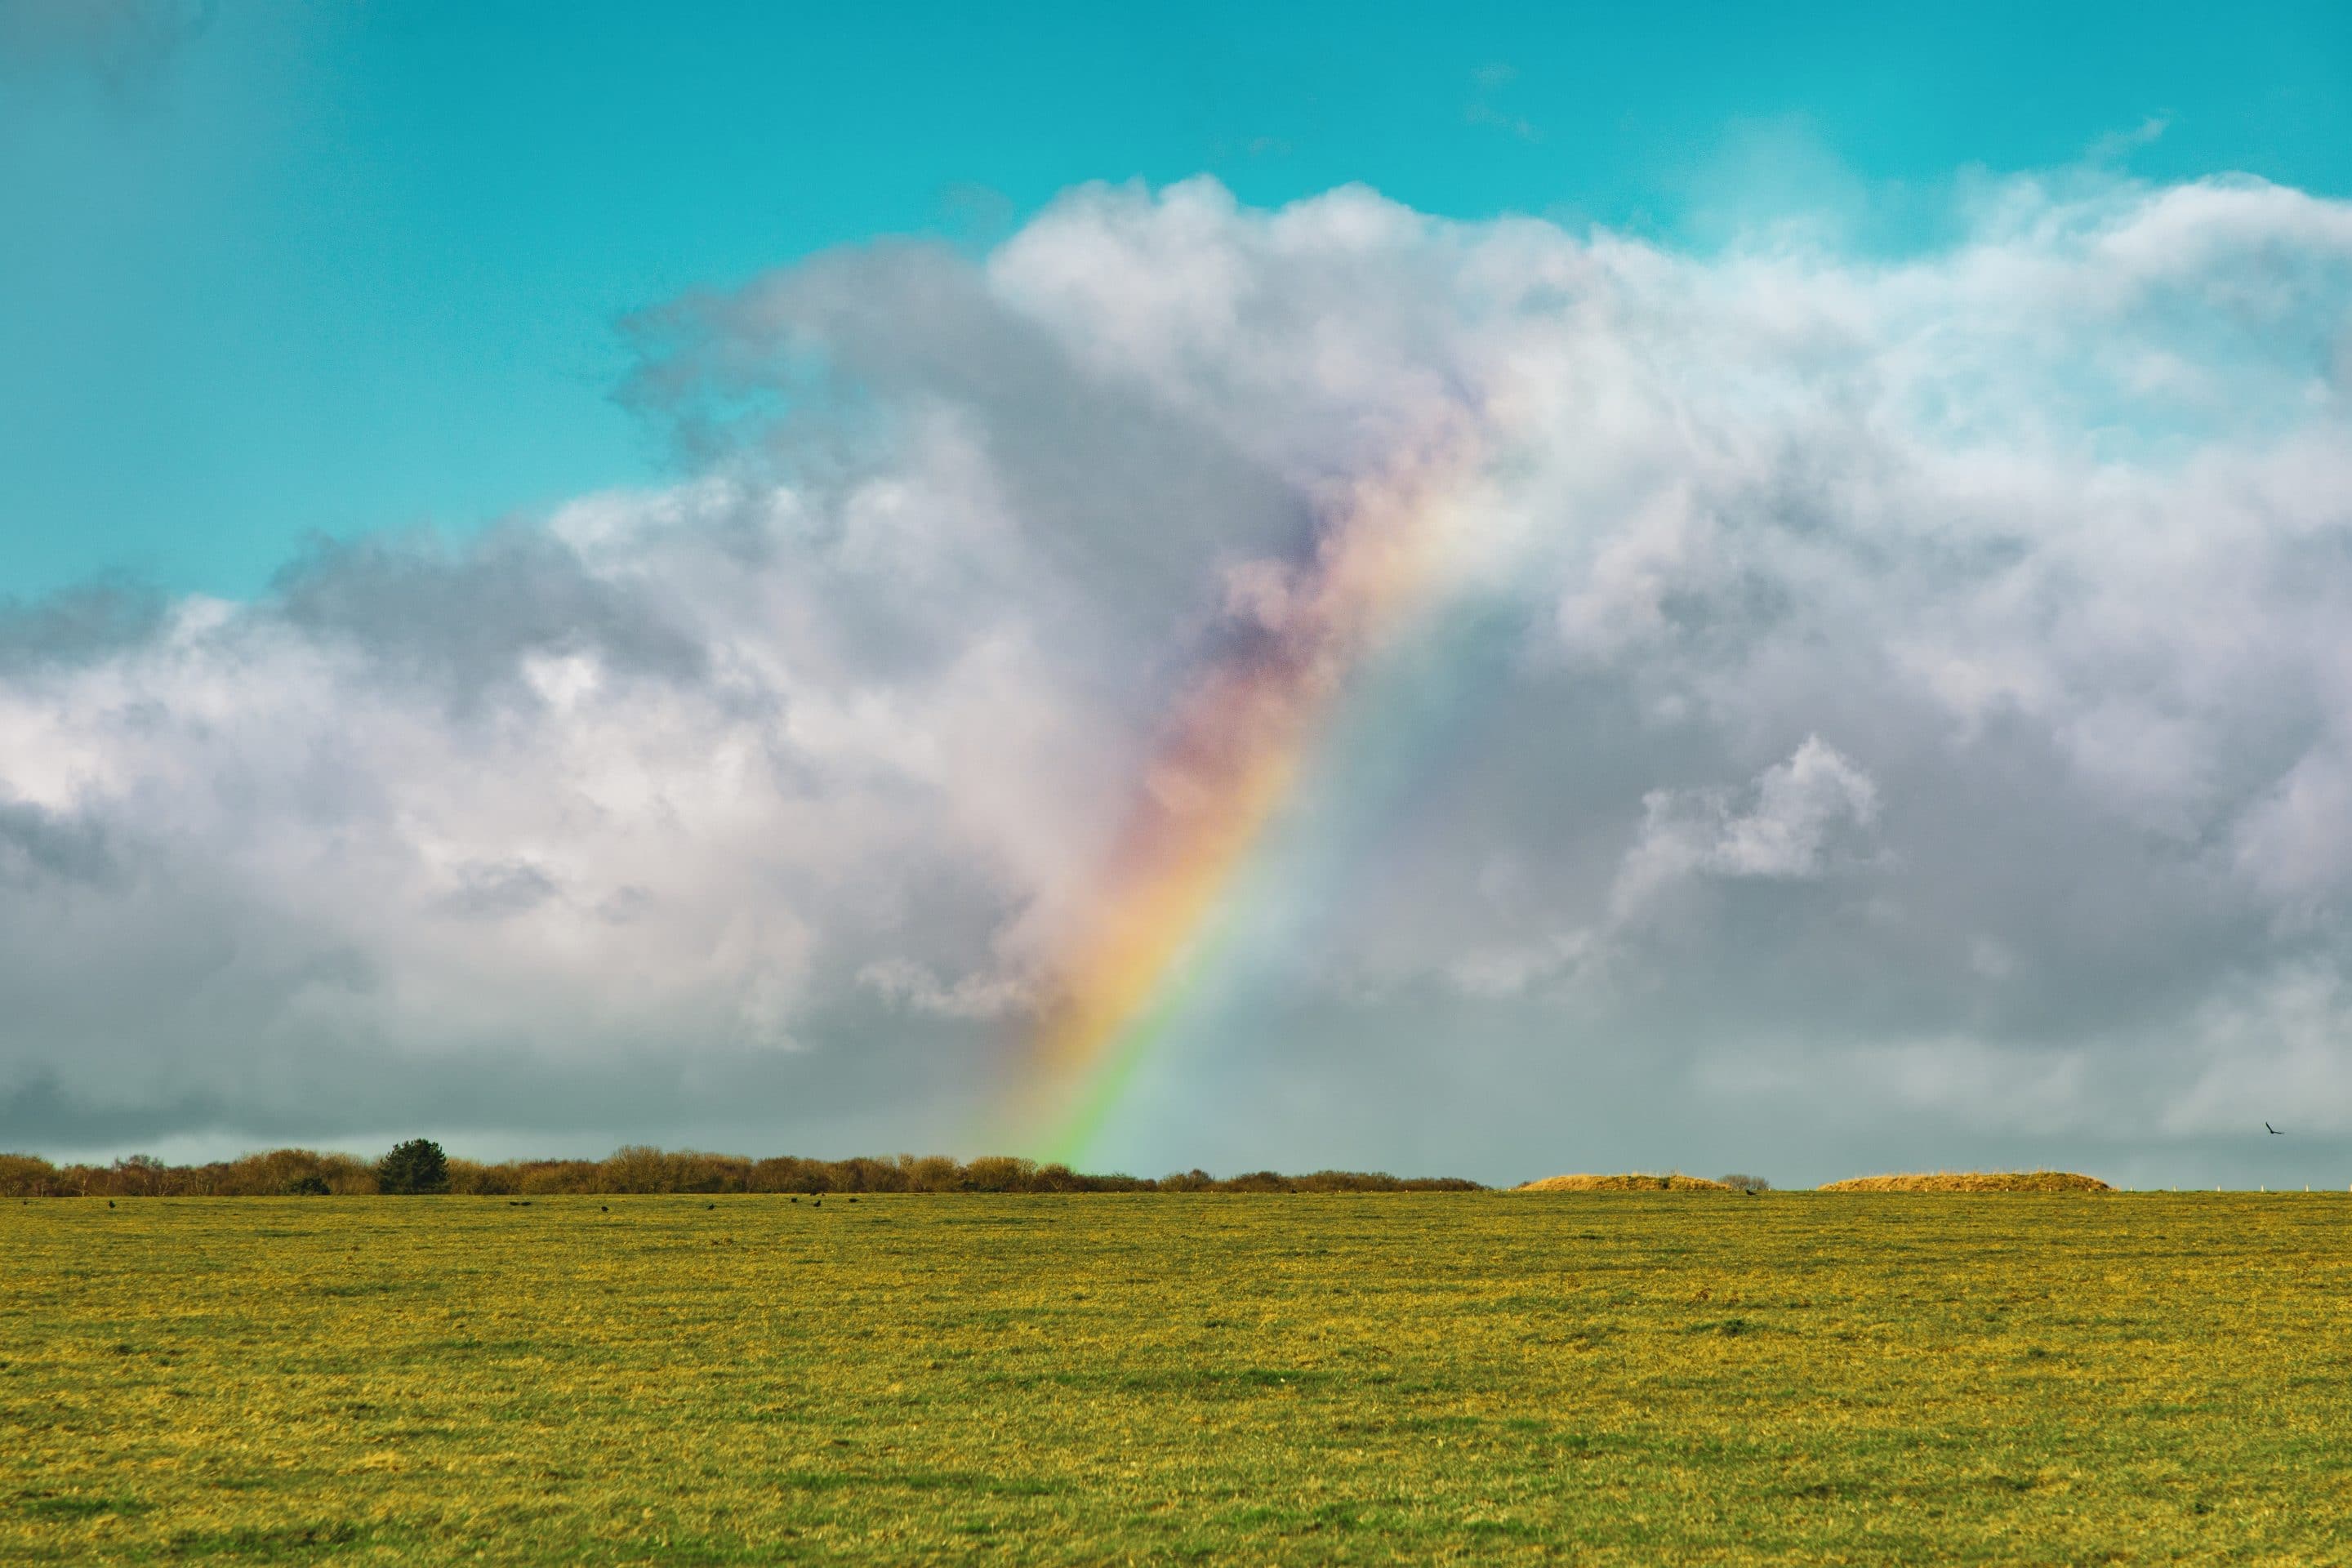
1488, 1378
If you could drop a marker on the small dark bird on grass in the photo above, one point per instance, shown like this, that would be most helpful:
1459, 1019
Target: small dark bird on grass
853, 1200
710, 1205
109, 1202
820, 1203
603, 1208
2273, 1131
797, 1200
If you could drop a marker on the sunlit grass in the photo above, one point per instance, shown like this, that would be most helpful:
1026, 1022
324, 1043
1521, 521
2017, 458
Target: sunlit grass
1481, 1378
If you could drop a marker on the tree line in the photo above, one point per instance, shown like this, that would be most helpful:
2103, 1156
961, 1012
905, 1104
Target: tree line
419, 1165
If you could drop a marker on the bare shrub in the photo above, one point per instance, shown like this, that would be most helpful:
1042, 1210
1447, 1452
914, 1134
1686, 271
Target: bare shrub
28, 1177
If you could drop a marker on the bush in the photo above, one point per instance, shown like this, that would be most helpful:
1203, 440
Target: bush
544, 1177
930, 1173
27, 1176
475, 1180
416, 1166
1746, 1183
141, 1177
639, 1168
313, 1185
1000, 1174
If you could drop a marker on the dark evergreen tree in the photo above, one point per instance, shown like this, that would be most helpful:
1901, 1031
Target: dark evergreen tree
416, 1166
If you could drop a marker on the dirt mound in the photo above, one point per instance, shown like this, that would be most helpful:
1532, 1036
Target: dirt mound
1631, 1181
1972, 1181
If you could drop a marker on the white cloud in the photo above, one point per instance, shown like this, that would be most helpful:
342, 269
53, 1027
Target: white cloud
972, 996
812, 758
1787, 823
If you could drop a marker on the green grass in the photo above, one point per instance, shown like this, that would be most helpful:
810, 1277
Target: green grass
1488, 1378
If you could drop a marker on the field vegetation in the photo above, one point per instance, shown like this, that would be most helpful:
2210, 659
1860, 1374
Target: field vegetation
418, 1166
1630, 1182
1309, 1378
1971, 1181
637, 1168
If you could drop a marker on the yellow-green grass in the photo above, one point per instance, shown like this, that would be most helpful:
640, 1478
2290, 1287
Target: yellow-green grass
1483, 1378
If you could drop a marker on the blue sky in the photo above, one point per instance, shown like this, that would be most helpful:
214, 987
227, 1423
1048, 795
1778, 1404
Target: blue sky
280, 269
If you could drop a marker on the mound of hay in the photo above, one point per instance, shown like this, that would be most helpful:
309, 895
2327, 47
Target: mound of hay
1972, 1181
1631, 1181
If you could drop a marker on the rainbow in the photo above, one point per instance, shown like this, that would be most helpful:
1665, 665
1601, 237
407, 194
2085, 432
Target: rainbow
1229, 757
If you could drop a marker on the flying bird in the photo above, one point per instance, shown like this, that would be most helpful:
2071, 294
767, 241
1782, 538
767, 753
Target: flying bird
2273, 1131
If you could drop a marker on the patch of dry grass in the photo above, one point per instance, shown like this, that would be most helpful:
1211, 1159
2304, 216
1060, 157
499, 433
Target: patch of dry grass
1626, 1181
1971, 1181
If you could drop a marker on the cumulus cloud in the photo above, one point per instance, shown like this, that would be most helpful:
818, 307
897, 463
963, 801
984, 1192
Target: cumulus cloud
1786, 824
1857, 710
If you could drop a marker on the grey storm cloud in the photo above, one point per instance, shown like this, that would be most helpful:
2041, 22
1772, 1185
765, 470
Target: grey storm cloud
463, 622
35, 842
77, 624
1861, 712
